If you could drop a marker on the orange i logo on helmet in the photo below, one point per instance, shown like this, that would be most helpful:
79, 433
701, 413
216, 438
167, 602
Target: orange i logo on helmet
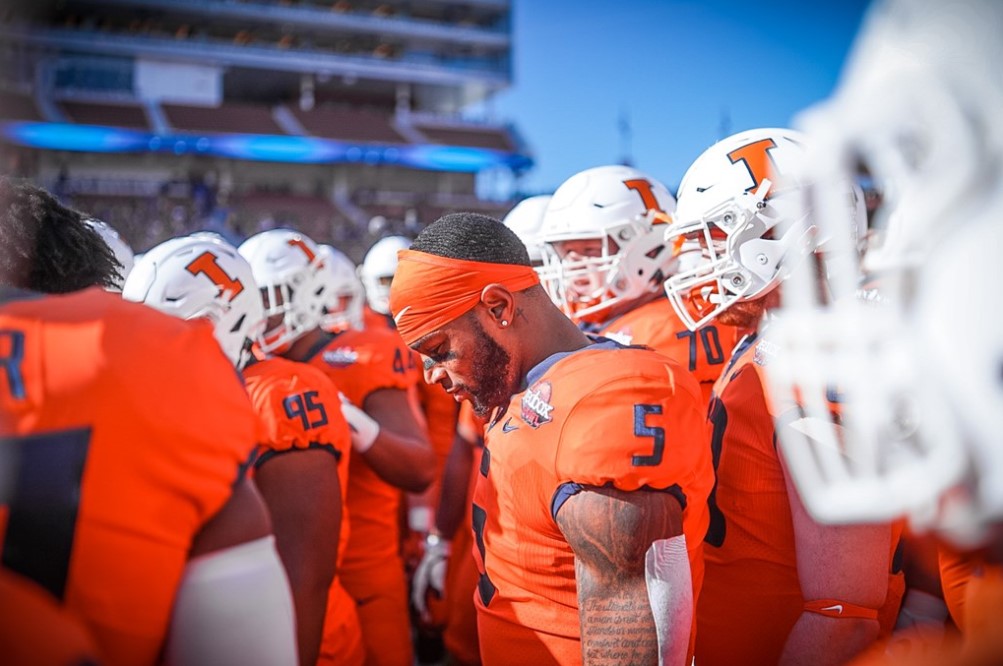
757, 159
298, 242
643, 189
206, 264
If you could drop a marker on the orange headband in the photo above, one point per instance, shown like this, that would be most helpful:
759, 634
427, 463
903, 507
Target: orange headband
429, 291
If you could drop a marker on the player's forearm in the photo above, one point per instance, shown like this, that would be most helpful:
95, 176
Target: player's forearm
453, 492
407, 463
310, 602
616, 622
821, 641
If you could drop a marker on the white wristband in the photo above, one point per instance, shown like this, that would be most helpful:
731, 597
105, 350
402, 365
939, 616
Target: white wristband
364, 428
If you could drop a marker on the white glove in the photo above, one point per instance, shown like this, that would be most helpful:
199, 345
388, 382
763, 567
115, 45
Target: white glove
364, 428
430, 576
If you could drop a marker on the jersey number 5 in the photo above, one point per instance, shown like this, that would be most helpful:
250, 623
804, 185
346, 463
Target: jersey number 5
642, 429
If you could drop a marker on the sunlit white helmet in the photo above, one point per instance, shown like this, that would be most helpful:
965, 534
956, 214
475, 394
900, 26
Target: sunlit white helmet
287, 268
191, 278
377, 271
917, 370
345, 294
619, 207
526, 219
123, 253
743, 222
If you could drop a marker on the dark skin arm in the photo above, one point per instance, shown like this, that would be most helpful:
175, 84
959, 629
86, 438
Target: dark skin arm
303, 494
610, 532
242, 519
401, 455
453, 492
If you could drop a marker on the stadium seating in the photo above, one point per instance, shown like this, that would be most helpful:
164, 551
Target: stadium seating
230, 117
129, 116
356, 125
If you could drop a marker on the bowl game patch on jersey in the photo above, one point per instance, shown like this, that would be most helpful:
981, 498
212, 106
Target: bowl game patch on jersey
341, 356
536, 408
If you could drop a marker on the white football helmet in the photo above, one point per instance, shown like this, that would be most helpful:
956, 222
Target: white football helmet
123, 253
619, 206
345, 294
378, 268
287, 268
743, 222
526, 219
191, 278
917, 370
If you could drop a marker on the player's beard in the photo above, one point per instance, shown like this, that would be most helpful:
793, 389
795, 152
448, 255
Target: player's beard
494, 382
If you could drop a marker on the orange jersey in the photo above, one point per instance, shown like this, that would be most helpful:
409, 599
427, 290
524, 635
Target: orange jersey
36, 630
132, 427
752, 595
373, 319
361, 363
438, 407
441, 412
298, 408
703, 352
602, 415
961, 576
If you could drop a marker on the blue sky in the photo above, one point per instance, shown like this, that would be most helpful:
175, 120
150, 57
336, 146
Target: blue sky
673, 67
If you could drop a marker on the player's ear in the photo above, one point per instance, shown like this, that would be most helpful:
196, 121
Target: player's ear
500, 304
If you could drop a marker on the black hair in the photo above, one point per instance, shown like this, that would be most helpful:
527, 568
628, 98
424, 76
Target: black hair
472, 237
47, 247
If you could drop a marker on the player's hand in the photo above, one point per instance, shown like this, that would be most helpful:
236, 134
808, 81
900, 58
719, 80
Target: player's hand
430, 576
364, 428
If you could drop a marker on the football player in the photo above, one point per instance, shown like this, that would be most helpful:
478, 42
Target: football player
609, 259
918, 371
390, 449
742, 224
590, 498
128, 502
302, 464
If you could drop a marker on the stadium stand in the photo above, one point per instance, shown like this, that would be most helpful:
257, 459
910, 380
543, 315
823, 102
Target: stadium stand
230, 117
128, 116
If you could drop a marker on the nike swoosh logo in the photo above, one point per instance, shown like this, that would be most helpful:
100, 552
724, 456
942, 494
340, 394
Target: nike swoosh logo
397, 319
704, 189
509, 428
838, 608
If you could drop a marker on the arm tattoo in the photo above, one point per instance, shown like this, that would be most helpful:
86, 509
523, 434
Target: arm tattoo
610, 531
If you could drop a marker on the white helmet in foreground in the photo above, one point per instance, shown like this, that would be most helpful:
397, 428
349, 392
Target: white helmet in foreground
377, 271
123, 253
287, 268
345, 294
191, 278
919, 370
607, 251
